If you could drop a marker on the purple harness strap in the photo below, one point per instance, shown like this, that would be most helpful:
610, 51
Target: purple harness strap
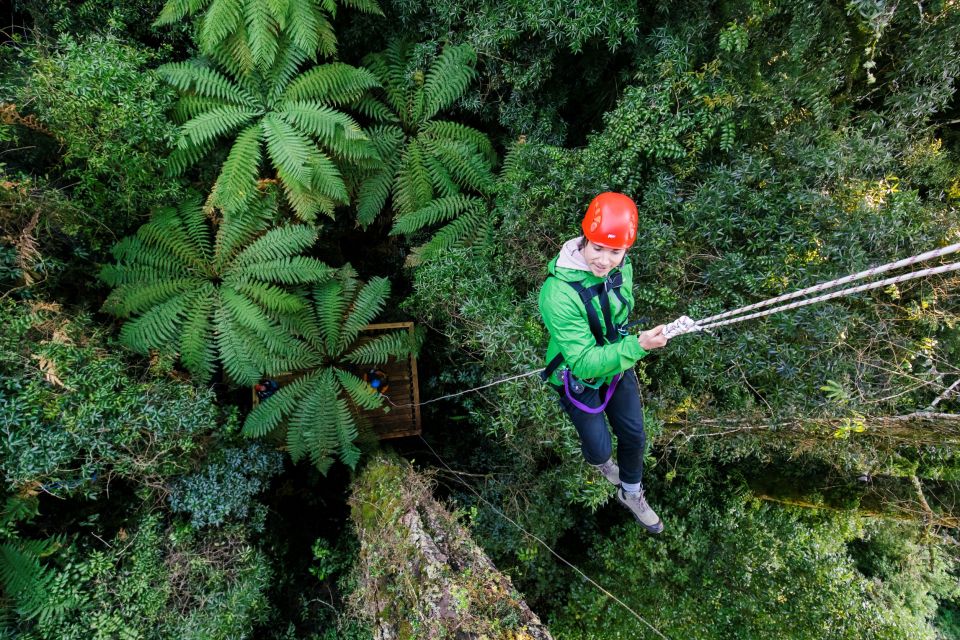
579, 405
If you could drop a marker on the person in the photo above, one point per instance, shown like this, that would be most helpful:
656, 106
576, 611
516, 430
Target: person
585, 303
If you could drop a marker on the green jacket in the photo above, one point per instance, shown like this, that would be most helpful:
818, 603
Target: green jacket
566, 319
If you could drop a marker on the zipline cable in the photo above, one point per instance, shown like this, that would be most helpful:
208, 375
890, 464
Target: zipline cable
921, 257
544, 544
678, 327
684, 325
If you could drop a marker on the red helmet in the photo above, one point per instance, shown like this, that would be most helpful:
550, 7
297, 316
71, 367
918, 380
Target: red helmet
611, 221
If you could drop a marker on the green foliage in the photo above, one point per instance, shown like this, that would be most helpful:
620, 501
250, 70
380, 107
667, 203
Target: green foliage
287, 112
734, 567
427, 164
245, 34
153, 583
215, 292
320, 409
72, 413
547, 67
223, 490
99, 100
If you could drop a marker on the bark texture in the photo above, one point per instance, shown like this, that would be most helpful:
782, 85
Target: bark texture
420, 573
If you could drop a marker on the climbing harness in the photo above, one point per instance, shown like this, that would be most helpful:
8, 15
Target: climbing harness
603, 333
684, 324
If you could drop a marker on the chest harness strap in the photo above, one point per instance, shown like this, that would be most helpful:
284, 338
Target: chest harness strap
604, 333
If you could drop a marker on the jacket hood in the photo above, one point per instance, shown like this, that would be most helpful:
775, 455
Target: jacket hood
571, 259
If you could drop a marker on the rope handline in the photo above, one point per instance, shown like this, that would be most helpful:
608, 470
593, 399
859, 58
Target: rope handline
460, 393
544, 544
685, 325
922, 257
954, 266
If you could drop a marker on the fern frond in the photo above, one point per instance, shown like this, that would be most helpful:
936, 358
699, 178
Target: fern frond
263, 33
213, 124
396, 58
197, 352
237, 182
136, 297
302, 199
175, 10
189, 106
234, 54
165, 234
464, 162
335, 83
25, 580
158, 327
369, 302
448, 78
289, 149
240, 226
440, 178
464, 229
375, 110
195, 224
413, 189
326, 179
330, 303
455, 131
359, 391
303, 24
438, 210
205, 82
372, 196
328, 125
296, 270
221, 19
271, 412
235, 354
396, 344
280, 242
367, 6
346, 434
285, 67
180, 160
271, 298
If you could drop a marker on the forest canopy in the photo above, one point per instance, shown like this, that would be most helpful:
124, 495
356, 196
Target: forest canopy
201, 196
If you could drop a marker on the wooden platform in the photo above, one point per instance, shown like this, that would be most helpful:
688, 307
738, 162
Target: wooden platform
403, 388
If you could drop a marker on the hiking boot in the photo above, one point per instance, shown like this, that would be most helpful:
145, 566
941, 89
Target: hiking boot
640, 509
610, 471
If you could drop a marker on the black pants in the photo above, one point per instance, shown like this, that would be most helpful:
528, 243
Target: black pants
625, 412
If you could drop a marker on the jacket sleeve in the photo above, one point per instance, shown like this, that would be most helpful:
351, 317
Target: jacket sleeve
567, 323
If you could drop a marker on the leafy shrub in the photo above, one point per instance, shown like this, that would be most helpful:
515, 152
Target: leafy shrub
224, 489
107, 108
73, 414
733, 566
152, 583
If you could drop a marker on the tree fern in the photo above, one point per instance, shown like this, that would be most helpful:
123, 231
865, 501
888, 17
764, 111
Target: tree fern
321, 408
427, 164
215, 292
278, 117
246, 34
